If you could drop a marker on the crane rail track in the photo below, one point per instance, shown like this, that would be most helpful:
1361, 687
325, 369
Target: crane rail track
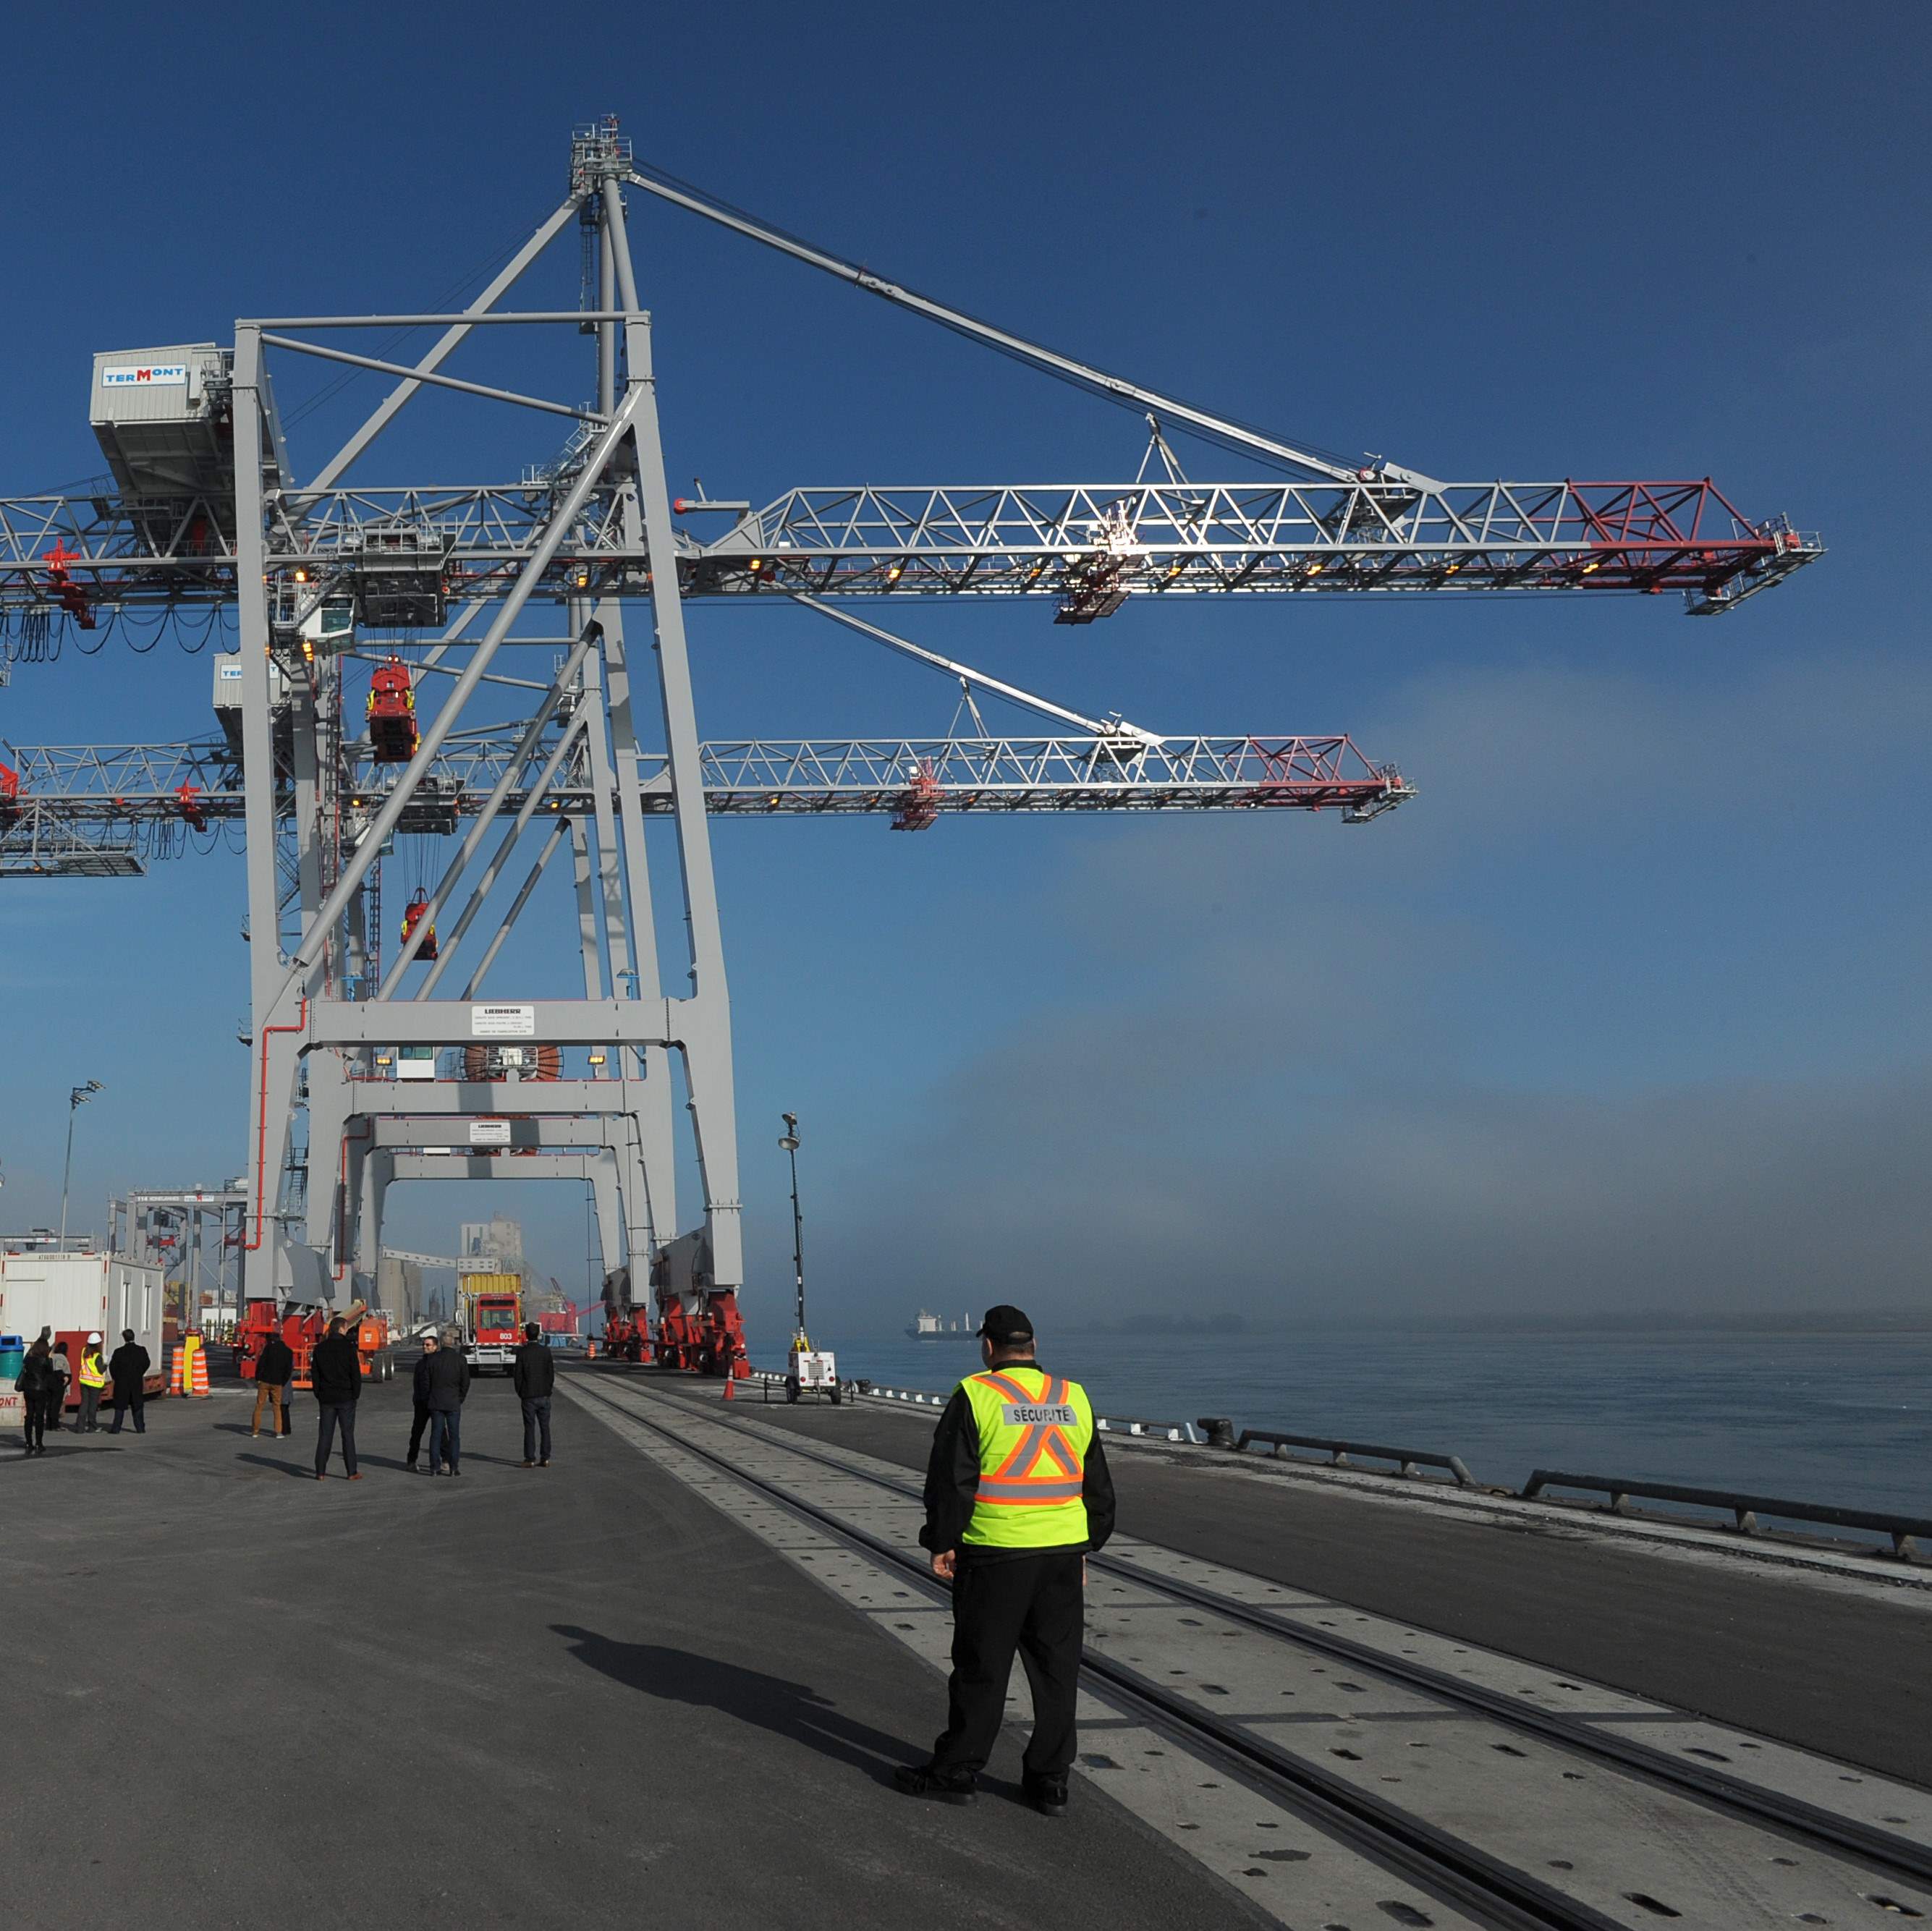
1450, 1867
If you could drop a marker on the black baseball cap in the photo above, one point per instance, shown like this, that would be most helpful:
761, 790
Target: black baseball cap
1005, 1325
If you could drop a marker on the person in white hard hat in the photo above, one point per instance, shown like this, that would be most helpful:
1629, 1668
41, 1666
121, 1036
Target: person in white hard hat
93, 1379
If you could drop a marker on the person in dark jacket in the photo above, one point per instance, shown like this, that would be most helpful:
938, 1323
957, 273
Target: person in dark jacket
419, 1391
445, 1388
31, 1384
274, 1369
1017, 1493
335, 1374
127, 1371
534, 1375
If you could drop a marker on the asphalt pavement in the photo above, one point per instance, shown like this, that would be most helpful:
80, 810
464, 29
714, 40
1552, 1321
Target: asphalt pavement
577, 1694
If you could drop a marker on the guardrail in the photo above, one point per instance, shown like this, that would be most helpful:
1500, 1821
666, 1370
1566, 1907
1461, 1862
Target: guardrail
1409, 1461
1903, 1530
1130, 1424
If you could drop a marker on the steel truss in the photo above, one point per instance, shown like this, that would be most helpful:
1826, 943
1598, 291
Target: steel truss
594, 536
106, 797
1043, 540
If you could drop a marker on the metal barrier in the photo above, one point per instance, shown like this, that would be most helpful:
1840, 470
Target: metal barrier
1165, 1431
1745, 1509
924, 1400
1409, 1461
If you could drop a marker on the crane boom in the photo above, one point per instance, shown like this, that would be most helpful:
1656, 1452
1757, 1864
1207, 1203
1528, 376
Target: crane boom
1068, 540
102, 811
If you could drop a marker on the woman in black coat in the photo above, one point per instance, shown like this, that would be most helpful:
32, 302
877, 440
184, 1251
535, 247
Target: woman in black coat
34, 1384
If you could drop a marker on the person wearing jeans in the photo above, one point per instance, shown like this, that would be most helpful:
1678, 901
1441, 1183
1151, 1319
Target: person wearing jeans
335, 1374
445, 1386
534, 1376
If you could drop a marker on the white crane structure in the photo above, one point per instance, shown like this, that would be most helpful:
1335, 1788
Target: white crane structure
372, 695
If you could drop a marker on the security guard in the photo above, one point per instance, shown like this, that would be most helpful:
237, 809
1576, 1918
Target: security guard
1017, 1491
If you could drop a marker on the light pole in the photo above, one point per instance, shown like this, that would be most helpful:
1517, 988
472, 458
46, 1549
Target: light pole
75, 1100
789, 1143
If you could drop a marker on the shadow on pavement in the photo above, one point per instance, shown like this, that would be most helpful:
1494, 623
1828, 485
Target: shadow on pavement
791, 1709
305, 1469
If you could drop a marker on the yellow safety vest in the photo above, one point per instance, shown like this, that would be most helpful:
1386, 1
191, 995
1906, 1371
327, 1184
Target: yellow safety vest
1034, 1431
93, 1369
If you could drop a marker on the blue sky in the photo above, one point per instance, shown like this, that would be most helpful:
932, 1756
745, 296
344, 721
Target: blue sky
1627, 1009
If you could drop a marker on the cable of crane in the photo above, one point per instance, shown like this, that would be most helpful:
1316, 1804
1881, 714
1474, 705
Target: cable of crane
330, 390
1211, 425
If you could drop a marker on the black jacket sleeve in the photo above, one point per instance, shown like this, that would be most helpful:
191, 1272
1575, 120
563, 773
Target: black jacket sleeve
1096, 1490
952, 1476
463, 1379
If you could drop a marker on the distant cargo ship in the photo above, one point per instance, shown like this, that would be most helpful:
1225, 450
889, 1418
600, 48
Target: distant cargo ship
930, 1327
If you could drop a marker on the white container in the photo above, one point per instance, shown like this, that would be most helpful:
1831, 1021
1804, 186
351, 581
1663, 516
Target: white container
79, 1294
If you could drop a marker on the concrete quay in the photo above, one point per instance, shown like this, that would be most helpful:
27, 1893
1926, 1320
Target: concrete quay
669, 1676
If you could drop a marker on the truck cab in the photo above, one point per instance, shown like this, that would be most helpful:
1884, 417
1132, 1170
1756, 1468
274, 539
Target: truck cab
492, 1320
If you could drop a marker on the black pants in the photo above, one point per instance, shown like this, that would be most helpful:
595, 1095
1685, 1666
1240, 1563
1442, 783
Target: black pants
1034, 1604
125, 1399
416, 1429
39, 1410
333, 1415
536, 1416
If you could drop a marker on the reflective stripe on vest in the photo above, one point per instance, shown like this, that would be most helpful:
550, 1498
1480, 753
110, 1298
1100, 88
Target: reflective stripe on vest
1033, 1429
93, 1372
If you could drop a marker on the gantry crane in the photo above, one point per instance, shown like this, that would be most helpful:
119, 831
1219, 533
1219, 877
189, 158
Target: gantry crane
327, 582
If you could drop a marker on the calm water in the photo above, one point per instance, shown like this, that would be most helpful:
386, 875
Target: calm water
1816, 1417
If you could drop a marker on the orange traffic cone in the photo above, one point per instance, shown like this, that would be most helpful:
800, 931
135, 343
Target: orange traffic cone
200, 1384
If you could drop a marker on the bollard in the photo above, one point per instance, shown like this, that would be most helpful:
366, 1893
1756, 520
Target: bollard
1219, 1432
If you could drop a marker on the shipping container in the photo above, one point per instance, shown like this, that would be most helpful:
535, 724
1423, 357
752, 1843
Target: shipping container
80, 1294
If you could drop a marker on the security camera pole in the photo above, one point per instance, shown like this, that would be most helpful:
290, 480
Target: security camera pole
75, 1100
789, 1143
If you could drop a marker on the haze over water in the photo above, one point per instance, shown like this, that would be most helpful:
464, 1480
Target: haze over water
1812, 1417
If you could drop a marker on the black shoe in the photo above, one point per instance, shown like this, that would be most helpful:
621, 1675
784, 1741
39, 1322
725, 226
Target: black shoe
1047, 1794
412, 1467
921, 1779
